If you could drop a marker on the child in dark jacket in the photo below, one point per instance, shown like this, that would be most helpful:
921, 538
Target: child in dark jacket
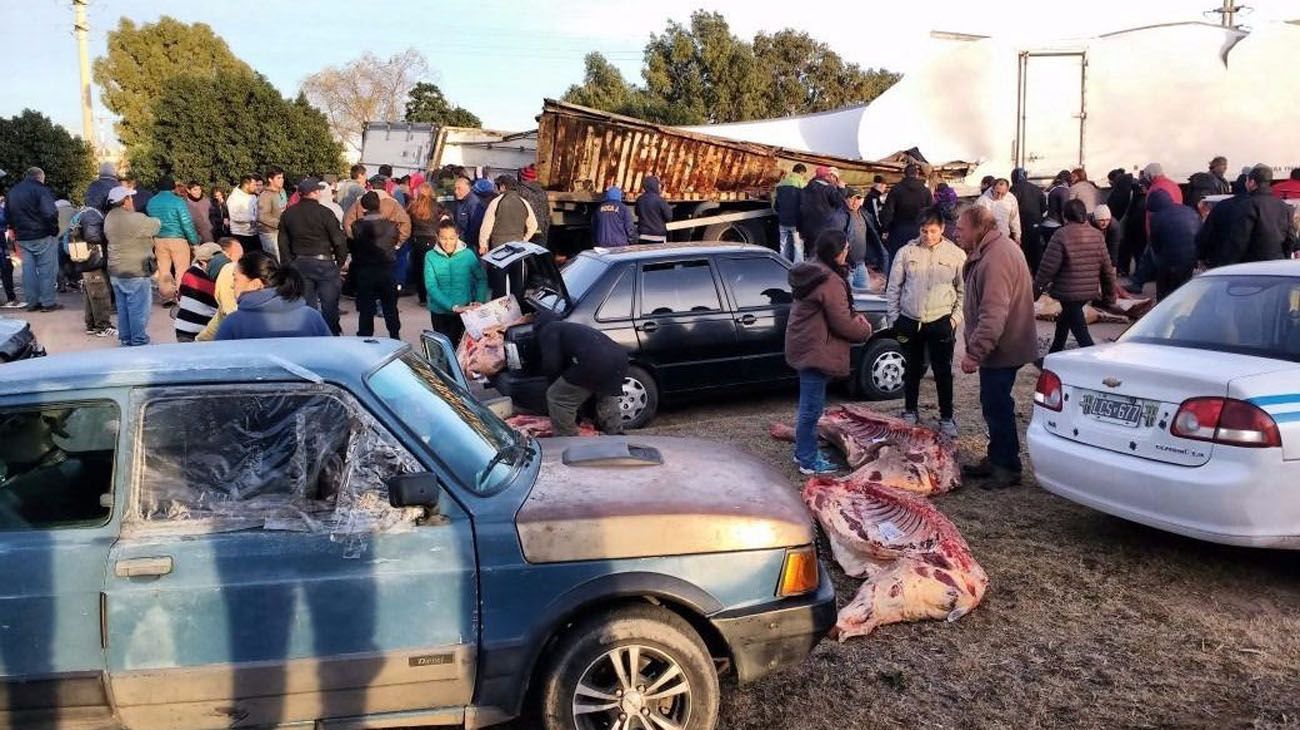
454, 280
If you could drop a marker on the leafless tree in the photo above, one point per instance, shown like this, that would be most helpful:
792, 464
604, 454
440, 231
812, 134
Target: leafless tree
364, 89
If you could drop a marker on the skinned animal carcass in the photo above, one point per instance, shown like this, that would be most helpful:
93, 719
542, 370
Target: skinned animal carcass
483, 357
891, 451
540, 427
916, 563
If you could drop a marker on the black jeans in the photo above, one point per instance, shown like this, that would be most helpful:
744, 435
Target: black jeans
1169, 278
376, 283
1031, 244
1071, 321
415, 272
321, 288
1000, 414
449, 325
935, 338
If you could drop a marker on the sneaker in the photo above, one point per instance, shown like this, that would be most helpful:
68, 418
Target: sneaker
819, 466
13, 304
910, 418
31, 307
52, 308
107, 332
948, 427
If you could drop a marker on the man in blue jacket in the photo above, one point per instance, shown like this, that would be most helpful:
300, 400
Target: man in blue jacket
652, 213
34, 218
1172, 240
611, 225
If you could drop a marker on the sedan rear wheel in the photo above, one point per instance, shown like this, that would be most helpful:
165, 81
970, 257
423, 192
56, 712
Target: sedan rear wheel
881, 372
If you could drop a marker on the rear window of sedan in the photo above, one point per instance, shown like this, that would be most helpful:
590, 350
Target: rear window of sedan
1247, 315
581, 274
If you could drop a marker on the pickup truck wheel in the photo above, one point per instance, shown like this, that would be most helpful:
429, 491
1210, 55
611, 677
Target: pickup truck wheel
632, 668
880, 376
640, 399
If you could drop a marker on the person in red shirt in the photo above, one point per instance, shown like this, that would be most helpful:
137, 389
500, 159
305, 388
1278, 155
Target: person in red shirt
1289, 189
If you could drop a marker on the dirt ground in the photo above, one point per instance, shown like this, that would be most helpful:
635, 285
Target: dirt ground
1089, 621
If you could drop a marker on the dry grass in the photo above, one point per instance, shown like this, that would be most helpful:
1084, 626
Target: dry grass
1089, 621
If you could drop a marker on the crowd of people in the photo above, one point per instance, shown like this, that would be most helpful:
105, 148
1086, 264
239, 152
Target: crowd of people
978, 271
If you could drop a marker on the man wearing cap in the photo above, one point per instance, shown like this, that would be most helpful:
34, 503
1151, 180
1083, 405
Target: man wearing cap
97, 193
198, 302
130, 264
821, 206
1261, 228
312, 242
865, 248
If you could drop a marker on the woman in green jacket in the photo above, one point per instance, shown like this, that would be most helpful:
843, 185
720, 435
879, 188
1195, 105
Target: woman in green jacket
454, 279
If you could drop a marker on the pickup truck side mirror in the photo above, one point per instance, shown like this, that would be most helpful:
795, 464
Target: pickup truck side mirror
414, 490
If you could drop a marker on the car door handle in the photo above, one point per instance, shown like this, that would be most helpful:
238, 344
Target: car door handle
649, 327
143, 567
747, 319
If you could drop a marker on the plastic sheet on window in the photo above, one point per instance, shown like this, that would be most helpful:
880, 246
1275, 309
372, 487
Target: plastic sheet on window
237, 459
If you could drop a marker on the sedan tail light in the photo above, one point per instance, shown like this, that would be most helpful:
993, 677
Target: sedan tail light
1225, 421
1048, 393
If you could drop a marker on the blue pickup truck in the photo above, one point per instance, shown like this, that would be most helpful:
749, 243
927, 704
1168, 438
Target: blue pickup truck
335, 533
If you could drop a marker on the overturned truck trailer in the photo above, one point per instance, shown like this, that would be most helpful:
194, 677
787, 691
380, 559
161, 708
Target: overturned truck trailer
719, 188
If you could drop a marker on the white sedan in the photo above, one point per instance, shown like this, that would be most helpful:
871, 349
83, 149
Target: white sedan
1191, 421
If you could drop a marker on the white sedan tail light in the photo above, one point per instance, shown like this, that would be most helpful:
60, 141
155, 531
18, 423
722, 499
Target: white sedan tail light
1225, 421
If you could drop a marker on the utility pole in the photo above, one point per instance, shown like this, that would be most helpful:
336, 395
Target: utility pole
82, 28
1228, 13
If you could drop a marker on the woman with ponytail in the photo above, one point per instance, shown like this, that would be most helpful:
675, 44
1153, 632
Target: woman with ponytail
270, 303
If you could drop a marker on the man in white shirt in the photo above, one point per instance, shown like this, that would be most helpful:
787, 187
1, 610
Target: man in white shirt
242, 205
1005, 209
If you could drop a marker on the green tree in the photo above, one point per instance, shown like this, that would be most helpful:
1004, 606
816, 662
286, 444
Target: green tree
141, 59
31, 139
804, 75
703, 73
215, 130
604, 87
427, 103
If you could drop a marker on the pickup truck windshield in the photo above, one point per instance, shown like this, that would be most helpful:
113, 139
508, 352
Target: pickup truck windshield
1247, 315
464, 433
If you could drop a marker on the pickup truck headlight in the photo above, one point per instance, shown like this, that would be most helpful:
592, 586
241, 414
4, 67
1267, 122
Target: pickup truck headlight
801, 573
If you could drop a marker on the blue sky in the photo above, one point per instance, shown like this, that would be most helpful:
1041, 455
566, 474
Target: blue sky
500, 58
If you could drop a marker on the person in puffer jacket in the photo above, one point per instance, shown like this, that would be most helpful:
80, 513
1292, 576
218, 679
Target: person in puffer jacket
819, 333
1172, 241
1076, 269
785, 201
652, 213
611, 225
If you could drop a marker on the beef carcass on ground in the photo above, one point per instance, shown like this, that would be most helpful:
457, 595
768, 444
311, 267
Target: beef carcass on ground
916, 564
891, 451
540, 427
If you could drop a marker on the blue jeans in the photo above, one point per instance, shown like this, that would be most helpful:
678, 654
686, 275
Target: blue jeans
270, 244
791, 244
1000, 415
134, 299
858, 276
812, 401
40, 269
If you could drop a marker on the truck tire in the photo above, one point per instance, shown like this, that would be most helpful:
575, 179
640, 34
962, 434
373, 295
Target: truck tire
640, 399
635, 660
746, 231
880, 374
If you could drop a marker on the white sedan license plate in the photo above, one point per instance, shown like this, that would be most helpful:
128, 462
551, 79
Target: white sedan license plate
1115, 409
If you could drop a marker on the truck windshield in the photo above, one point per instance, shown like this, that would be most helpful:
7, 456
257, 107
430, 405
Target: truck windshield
465, 434
1247, 315
581, 274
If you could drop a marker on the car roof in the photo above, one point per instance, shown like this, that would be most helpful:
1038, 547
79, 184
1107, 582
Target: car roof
335, 359
652, 251
1283, 267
